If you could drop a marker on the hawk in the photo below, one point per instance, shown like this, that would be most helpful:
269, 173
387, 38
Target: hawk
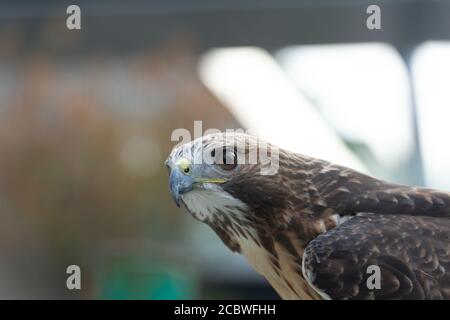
315, 229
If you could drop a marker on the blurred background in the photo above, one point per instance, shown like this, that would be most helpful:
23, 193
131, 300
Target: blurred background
86, 118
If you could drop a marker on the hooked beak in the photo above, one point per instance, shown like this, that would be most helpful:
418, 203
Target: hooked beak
179, 184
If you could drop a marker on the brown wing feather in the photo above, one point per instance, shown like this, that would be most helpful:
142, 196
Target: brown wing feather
413, 255
349, 192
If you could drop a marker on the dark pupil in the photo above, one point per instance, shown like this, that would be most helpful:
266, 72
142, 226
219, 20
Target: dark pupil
229, 160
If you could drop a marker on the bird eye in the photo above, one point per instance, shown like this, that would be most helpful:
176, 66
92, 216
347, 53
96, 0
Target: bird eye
229, 161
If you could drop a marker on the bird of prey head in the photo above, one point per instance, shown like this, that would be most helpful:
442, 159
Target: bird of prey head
312, 228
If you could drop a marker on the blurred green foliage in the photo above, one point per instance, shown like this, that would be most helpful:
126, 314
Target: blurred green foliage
82, 145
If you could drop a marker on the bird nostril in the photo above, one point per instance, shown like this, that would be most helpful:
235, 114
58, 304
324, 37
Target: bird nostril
184, 165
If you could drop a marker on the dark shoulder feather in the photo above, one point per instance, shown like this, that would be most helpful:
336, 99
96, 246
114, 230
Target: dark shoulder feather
413, 255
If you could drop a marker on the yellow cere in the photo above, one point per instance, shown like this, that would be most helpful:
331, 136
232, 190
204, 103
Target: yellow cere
184, 165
